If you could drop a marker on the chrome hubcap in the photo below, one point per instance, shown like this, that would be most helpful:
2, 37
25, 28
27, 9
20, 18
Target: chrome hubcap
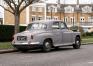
47, 44
77, 42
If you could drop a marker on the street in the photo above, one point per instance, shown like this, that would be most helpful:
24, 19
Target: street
65, 56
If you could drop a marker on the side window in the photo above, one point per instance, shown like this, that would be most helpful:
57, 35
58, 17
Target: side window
55, 25
63, 26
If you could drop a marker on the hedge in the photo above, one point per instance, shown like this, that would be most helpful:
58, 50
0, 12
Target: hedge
87, 34
7, 32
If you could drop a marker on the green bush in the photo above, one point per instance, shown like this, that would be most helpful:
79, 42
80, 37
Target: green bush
89, 33
7, 32
74, 28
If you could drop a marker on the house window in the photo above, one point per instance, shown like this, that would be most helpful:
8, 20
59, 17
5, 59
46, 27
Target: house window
69, 9
48, 18
55, 18
33, 18
87, 9
52, 8
40, 18
66, 19
82, 19
40, 9
90, 19
33, 8
72, 20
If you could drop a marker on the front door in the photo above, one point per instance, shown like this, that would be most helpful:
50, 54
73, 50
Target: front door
57, 35
66, 35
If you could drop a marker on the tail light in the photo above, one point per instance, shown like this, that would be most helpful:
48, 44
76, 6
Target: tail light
32, 37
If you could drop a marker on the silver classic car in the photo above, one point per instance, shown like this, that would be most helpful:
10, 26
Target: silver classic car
46, 35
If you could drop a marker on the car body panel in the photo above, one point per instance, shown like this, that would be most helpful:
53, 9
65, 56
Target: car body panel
59, 36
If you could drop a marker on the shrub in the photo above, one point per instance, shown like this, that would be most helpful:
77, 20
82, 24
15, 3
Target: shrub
7, 31
89, 33
74, 28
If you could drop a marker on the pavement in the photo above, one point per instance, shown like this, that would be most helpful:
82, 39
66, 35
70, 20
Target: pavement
7, 51
14, 50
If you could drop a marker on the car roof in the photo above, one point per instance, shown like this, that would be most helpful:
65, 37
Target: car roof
46, 21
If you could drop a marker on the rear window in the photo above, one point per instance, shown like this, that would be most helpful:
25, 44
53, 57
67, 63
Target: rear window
36, 26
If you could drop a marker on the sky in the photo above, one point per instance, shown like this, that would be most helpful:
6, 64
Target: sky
62, 1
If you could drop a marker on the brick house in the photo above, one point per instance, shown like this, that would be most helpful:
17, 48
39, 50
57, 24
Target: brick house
48, 11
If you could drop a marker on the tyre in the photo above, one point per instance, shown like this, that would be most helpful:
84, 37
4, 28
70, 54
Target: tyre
77, 43
47, 45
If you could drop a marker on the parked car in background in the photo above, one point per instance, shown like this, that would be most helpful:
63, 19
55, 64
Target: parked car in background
46, 35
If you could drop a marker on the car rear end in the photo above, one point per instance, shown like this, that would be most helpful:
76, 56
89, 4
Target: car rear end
25, 41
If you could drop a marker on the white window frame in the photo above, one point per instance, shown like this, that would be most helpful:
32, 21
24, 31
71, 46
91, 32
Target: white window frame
40, 9
48, 17
69, 9
83, 19
33, 8
55, 17
66, 19
40, 17
33, 16
90, 19
54, 8
87, 9
72, 20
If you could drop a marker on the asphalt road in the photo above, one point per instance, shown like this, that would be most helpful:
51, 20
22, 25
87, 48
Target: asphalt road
61, 57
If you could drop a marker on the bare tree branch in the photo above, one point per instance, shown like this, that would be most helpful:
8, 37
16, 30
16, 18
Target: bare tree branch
8, 2
12, 1
16, 7
7, 9
27, 3
20, 3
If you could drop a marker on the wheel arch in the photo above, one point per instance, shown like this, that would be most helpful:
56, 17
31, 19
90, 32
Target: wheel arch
75, 38
78, 36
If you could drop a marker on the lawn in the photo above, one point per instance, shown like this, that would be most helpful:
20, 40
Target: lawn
87, 39
5, 45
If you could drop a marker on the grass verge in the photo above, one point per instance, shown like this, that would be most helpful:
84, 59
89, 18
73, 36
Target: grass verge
5, 45
87, 39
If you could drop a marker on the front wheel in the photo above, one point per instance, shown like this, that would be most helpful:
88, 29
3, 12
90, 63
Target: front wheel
47, 46
77, 43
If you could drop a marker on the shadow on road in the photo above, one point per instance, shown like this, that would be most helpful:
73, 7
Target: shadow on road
53, 50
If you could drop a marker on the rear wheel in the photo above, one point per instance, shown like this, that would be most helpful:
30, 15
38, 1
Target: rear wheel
47, 45
77, 43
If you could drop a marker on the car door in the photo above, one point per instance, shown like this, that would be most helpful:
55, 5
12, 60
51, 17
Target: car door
56, 33
66, 35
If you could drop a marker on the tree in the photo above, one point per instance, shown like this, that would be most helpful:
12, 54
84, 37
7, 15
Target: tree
16, 7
